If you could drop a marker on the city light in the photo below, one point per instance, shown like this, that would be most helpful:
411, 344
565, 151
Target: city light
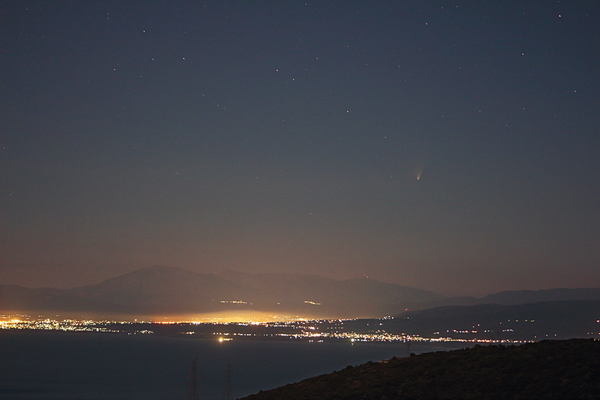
313, 330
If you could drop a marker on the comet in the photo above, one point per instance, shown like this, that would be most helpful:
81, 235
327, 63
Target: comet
418, 171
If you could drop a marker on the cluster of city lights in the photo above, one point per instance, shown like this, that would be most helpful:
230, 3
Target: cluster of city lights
67, 325
305, 329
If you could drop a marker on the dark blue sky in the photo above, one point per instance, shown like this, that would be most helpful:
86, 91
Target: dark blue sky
289, 135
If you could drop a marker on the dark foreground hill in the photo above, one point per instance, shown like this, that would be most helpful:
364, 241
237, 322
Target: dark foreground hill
551, 369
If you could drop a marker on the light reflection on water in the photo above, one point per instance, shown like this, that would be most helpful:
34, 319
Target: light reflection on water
70, 366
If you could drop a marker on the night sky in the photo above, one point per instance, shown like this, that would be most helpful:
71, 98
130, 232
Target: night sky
453, 147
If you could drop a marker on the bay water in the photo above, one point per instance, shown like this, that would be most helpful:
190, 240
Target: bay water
103, 366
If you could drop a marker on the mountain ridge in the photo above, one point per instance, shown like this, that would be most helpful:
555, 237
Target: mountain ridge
173, 290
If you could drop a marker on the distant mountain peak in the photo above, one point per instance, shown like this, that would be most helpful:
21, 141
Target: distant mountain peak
167, 289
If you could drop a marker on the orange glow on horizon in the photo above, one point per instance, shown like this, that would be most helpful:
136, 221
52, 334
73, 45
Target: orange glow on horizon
228, 317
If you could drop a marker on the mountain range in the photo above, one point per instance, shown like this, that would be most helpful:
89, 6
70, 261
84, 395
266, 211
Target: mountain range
171, 291
561, 319
161, 290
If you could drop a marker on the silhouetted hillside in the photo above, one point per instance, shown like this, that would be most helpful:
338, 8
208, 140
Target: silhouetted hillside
361, 296
164, 289
515, 297
544, 370
535, 321
17, 298
170, 290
